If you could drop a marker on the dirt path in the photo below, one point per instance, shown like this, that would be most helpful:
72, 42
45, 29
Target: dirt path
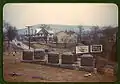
47, 73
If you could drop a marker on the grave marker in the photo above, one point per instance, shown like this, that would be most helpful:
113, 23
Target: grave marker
53, 57
28, 55
67, 58
87, 62
39, 54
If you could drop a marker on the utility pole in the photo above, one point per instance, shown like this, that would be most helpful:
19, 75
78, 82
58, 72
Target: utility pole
32, 31
29, 34
80, 33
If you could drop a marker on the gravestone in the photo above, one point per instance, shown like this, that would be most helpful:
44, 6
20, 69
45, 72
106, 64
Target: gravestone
75, 57
53, 57
68, 58
87, 62
39, 54
28, 55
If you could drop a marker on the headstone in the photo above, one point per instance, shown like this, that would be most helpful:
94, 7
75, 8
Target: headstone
87, 60
28, 55
67, 58
53, 57
75, 57
39, 54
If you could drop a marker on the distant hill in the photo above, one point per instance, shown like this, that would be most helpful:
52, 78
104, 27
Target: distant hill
56, 28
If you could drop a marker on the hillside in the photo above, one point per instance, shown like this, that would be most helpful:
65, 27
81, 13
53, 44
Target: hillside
56, 28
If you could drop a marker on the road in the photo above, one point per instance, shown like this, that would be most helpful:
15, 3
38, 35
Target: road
23, 46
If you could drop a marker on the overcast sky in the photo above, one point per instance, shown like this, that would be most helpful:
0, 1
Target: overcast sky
89, 14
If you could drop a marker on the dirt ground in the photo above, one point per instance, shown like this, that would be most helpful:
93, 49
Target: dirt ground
45, 73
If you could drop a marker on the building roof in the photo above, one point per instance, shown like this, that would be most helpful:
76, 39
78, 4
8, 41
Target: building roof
49, 31
38, 30
60, 32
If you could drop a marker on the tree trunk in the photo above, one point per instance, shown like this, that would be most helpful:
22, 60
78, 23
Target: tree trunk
113, 56
8, 45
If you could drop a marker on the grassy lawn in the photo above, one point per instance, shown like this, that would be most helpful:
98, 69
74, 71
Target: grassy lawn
46, 73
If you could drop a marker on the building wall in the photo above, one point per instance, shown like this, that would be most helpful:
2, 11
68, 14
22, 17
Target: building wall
60, 35
70, 38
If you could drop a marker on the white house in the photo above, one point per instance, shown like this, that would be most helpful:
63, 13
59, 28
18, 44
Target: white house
68, 37
42, 34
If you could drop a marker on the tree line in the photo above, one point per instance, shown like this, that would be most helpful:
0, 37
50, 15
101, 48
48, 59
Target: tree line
9, 32
105, 36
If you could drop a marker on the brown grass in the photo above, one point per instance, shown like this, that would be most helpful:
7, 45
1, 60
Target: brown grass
48, 74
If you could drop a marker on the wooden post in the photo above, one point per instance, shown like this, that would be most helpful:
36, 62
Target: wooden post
29, 34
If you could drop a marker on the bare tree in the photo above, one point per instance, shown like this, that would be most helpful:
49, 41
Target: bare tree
44, 29
55, 39
94, 33
86, 37
108, 39
65, 40
68, 39
10, 32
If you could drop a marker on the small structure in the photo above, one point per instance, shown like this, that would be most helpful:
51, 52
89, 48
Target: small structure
53, 57
39, 54
28, 55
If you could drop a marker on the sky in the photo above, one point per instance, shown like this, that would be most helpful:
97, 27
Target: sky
89, 14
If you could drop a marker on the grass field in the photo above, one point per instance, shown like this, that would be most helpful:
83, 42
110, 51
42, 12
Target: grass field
45, 73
